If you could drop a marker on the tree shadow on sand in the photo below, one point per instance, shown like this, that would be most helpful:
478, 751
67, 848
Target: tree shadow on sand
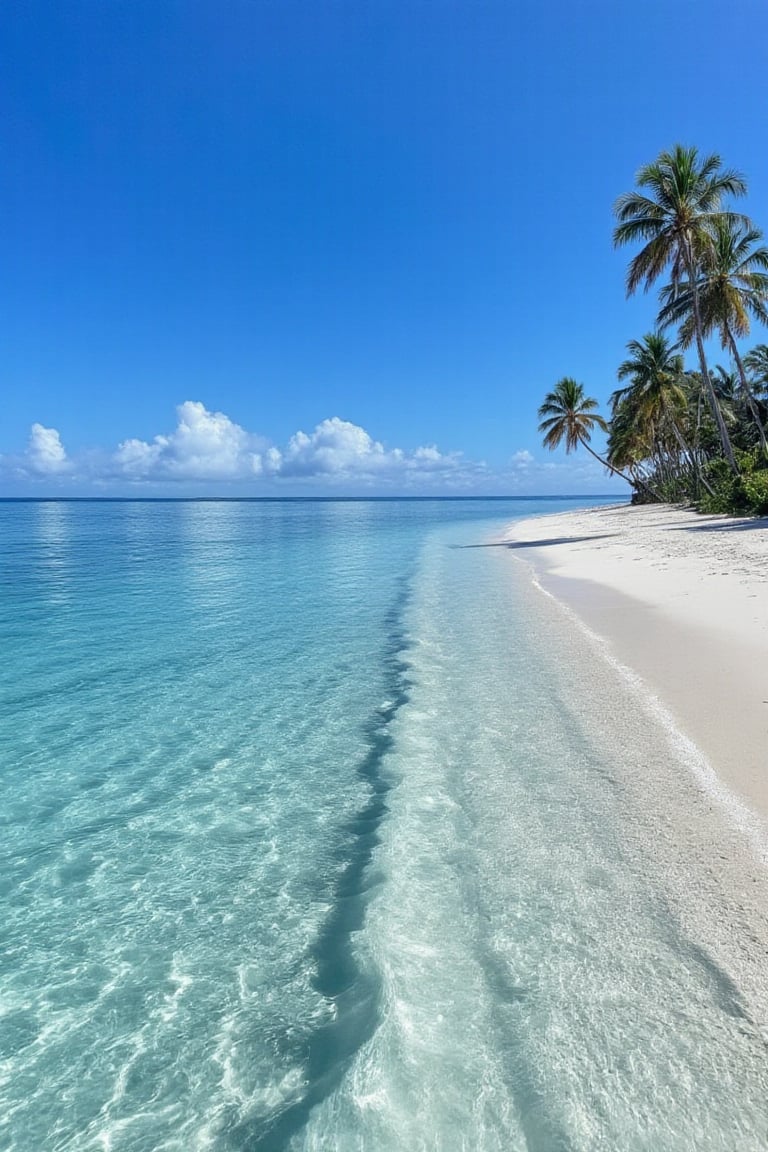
741, 526
544, 543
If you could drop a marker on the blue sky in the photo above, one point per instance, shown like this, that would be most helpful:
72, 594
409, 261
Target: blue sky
258, 247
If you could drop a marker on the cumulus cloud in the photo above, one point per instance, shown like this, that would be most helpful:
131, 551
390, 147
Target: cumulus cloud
203, 446
335, 446
338, 448
45, 452
209, 446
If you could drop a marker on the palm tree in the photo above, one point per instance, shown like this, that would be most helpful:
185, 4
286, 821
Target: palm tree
629, 439
726, 385
678, 199
756, 362
631, 445
655, 369
732, 288
656, 394
568, 415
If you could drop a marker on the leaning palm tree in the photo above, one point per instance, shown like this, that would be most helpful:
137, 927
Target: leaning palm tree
679, 196
633, 445
732, 289
656, 394
567, 415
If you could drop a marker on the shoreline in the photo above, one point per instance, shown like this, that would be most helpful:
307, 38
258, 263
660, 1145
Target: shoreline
607, 591
680, 601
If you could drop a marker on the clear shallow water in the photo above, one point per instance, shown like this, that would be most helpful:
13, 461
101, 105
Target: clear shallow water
303, 848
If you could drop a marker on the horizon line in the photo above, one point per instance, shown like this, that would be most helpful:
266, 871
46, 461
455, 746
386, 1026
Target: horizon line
287, 499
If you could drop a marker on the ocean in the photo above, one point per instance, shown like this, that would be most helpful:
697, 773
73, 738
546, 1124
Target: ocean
307, 843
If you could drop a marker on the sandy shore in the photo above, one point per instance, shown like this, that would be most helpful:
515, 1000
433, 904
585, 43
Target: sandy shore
681, 600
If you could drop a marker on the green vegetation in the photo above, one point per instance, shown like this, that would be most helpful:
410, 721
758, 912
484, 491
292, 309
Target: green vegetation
696, 435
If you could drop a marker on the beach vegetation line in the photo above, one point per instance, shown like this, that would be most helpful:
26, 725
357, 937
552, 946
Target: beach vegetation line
696, 434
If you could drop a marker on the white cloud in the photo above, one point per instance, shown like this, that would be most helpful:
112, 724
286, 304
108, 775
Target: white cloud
338, 449
527, 475
335, 446
203, 446
45, 452
209, 446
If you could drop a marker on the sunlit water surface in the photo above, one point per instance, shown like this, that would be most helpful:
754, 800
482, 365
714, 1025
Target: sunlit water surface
303, 848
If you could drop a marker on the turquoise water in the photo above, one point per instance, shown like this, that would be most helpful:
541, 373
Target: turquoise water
303, 848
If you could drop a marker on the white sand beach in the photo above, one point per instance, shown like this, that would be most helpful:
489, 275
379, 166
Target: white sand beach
661, 616
681, 600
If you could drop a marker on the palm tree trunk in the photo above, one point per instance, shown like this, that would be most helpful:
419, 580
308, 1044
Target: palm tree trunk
747, 390
616, 472
687, 452
697, 432
644, 482
714, 404
725, 439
